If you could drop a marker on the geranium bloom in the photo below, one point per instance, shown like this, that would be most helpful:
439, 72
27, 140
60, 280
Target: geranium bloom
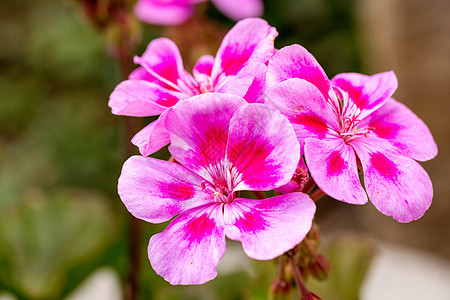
161, 81
224, 145
173, 12
353, 122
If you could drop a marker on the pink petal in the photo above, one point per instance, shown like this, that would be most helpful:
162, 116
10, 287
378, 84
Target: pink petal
249, 41
188, 251
249, 83
303, 104
203, 68
141, 74
163, 12
403, 129
163, 61
297, 181
296, 62
368, 93
154, 190
153, 137
332, 165
240, 9
268, 228
199, 131
141, 98
262, 148
397, 185
255, 92
235, 85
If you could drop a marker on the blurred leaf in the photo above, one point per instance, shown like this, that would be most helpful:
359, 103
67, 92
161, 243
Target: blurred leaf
15, 106
326, 28
84, 144
350, 258
46, 234
64, 52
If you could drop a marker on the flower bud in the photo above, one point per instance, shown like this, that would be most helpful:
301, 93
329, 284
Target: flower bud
321, 268
279, 287
314, 233
298, 181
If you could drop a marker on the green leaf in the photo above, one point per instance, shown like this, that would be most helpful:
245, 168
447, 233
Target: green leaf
46, 234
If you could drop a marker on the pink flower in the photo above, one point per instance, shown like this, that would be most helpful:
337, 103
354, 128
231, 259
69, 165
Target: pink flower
236, 146
174, 12
353, 123
161, 81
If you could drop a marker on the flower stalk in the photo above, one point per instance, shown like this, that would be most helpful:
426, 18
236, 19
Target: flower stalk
305, 293
115, 20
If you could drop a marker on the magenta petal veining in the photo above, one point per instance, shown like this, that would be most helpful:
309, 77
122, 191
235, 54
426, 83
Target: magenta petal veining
161, 81
351, 124
232, 149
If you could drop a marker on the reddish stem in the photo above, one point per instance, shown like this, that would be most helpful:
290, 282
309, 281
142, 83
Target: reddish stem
305, 293
317, 195
309, 186
279, 284
124, 57
259, 195
132, 282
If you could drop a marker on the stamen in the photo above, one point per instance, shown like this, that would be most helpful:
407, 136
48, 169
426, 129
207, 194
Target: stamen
206, 86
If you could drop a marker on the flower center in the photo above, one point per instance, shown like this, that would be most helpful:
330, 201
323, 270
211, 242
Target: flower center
348, 114
206, 86
222, 186
223, 194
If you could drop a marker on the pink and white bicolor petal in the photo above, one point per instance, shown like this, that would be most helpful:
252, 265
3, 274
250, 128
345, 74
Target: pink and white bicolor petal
152, 137
303, 104
268, 228
203, 68
190, 248
163, 61
405, 131
397, 185
368, 93
333, 167
155, 191
141, 74
198, 130
255, 92
296, 62
235, 85
240, 9
163, 12
249, 83
263, 150
249, 41
139, 98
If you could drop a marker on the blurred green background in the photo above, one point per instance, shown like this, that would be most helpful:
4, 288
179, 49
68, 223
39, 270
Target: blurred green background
61, 152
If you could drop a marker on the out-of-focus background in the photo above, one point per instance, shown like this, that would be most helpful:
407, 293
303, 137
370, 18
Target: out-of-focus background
63, 229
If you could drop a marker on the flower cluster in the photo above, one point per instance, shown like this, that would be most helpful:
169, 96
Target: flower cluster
257, 119
174, 12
